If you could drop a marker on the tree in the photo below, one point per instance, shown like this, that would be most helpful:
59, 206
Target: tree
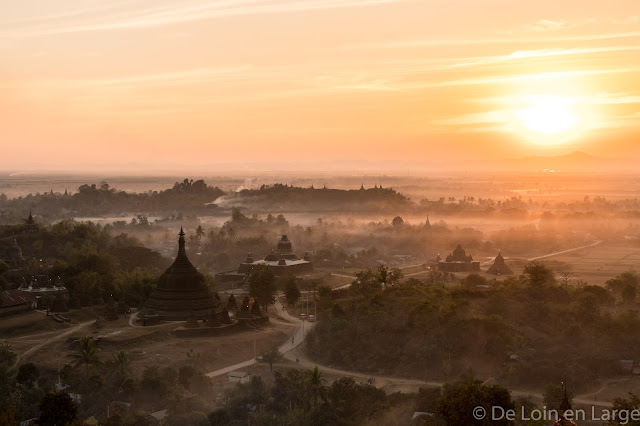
366, 284
86, 354
397, 222
272, 356
457, 404
57, 409
538, 274
291, 290
388, 276
552, 396
122, 361
7, 355
473, 280
262, 285
199, 232
316, 386
27, 374
625, 285
629, 293
567, 276
219, 417
394, 276
622, 405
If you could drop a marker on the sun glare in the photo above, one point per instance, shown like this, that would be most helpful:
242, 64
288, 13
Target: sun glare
548, 114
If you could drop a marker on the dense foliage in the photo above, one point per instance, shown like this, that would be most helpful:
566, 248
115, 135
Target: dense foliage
294, 198
528, 331
92, 263
299, 397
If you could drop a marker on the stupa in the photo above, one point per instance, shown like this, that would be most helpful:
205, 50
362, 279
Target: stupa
499, 267
182, 292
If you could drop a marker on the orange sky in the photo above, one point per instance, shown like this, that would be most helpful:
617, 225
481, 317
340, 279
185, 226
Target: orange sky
158, 84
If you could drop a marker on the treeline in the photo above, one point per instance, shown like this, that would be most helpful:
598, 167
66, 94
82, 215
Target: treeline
29, 392
92, 263
292, 198
101, 199
303, 397
526, 331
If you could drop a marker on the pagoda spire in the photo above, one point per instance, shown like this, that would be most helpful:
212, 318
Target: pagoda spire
181, 240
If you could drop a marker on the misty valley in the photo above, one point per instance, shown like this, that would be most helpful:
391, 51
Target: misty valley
227, 302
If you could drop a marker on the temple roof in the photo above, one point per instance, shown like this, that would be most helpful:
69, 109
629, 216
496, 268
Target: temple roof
284, 245
427, 224
182, 264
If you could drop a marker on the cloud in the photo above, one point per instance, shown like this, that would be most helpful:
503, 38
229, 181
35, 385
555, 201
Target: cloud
182, 13
527, 77
417, 43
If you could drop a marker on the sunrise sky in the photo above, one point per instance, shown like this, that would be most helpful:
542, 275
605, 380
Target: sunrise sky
163, 84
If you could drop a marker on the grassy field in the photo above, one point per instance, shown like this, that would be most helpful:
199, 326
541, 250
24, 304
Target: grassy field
595, 265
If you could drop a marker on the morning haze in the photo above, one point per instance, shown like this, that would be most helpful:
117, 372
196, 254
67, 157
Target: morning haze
345, 212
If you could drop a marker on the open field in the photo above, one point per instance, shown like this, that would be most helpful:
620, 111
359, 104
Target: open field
154, 345
597, 264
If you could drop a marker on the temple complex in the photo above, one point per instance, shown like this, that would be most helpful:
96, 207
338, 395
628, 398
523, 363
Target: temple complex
282, 261
30, 225
41, 287
11, 253
458, 261
427, 225
181, 292
499, 267
565, 406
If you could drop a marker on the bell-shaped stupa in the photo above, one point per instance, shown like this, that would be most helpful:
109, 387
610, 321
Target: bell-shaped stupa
182, 292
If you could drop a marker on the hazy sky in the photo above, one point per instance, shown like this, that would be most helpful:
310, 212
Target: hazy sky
88, 84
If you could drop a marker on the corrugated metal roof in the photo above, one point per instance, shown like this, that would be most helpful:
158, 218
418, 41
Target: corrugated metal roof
10, 298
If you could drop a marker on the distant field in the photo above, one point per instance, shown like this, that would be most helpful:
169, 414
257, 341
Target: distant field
597, 264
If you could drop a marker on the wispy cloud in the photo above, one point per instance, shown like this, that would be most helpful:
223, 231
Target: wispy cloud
527, 77
417, 43
179, 14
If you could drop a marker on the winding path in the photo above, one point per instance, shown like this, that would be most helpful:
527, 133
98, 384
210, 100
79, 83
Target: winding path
46, 342
291, 351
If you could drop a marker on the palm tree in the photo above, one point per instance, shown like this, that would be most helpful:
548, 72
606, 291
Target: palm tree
87, 354
199, 232
316, 386
122, 360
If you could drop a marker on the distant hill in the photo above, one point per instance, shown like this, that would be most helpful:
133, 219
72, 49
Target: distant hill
292, 198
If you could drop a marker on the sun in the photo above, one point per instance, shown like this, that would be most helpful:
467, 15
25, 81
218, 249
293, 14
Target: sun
548, 114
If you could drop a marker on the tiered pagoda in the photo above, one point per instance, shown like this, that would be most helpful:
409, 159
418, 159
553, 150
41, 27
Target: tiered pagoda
30, 225
182, 292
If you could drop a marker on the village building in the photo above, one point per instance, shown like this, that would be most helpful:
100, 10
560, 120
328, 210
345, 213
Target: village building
458, 261
14, 301
238, 377
181, 292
